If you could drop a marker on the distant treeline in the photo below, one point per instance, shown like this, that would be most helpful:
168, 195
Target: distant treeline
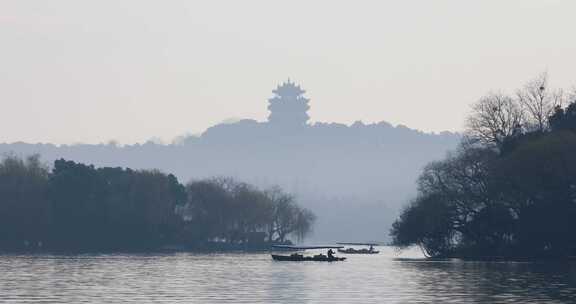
510, 188
79, 207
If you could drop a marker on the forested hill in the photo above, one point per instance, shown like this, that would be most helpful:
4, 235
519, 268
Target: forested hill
353, 177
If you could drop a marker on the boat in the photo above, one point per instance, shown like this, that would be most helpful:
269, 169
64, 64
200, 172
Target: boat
297, 257
351, 250
358, 251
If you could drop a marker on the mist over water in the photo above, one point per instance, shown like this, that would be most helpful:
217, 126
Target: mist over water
219, 278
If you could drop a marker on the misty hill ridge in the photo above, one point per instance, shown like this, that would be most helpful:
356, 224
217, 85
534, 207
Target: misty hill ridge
367, 170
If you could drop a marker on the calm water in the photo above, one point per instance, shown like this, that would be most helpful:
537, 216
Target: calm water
255, 278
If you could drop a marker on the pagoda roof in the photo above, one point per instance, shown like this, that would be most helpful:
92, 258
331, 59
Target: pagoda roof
288, 88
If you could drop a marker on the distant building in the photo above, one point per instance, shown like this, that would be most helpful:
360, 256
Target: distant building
288, 107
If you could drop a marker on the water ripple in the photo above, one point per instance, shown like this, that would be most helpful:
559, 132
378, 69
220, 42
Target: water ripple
255, 278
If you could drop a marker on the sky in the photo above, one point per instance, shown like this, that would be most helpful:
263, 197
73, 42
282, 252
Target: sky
130, 70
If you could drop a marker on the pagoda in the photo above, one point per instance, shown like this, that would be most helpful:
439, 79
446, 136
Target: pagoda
288, 107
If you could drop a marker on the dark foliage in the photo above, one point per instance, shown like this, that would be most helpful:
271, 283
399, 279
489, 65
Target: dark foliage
510, 196
76, 207
224, 210
564, 119
24, 208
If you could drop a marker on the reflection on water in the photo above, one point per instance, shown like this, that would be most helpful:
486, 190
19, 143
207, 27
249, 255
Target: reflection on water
255, 278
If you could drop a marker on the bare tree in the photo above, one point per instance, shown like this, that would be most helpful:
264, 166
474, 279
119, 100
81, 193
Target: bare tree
538, 102
494, 118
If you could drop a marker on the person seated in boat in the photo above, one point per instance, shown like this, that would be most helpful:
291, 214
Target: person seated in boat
330, 253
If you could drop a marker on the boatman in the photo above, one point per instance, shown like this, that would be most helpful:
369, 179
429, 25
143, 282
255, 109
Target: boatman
330, 253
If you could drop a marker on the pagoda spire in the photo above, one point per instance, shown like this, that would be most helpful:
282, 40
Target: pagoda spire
288, 106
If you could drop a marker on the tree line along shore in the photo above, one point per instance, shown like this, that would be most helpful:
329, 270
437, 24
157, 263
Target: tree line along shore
76, 207
509, 190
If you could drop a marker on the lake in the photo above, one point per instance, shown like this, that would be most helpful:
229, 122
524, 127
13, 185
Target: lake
255, 278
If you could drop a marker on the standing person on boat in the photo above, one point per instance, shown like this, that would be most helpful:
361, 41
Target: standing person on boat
330, 253
371, 248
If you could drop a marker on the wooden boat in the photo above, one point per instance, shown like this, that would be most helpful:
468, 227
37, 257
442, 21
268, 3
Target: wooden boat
300, 258
359, 251
296, 257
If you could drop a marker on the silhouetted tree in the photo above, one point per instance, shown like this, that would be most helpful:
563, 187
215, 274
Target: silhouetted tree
428, 223
564, 119
539, 181
81, 207
24, 210
288, 217
516, 200
222, 209
111, 208
539, 102
304, 223
494, 118
77, 194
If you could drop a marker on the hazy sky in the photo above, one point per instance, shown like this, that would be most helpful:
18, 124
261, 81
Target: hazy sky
91, 71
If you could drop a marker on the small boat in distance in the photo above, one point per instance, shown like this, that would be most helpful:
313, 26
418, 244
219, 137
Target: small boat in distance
351, 250
297, 257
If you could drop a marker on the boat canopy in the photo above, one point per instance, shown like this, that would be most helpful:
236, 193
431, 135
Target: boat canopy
306, 247
359, 244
